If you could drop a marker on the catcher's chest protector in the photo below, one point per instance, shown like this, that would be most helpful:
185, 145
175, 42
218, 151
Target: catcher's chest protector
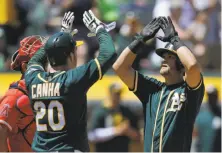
17, 94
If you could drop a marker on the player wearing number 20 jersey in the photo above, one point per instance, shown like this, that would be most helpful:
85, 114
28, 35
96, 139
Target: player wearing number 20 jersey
59, 98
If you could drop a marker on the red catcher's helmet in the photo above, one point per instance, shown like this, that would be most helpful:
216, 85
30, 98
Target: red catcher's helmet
28, 47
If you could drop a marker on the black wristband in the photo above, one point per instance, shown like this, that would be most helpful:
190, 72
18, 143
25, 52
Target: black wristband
177, 43
135, 46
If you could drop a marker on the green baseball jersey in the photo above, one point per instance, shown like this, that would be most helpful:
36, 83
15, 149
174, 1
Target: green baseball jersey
59, 99
169, 113
59, 103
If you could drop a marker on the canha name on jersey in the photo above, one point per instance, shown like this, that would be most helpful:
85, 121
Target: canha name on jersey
45, 90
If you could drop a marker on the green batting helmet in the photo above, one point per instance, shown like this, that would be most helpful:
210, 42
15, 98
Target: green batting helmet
169, 48
59, 46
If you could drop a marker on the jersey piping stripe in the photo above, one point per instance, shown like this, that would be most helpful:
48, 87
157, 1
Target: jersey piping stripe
156, 120
136, 82
163, 120
197, 86
39, 76
99, 68
58, 75
5, 123
36, 65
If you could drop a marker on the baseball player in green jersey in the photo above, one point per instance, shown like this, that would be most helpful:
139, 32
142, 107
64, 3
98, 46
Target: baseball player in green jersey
59, 98
170, 107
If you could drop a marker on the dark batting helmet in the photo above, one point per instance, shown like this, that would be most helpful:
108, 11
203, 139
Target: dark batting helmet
169, 48
59, 46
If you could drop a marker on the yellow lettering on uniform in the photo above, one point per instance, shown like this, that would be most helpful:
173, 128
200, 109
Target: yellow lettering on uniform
33, 91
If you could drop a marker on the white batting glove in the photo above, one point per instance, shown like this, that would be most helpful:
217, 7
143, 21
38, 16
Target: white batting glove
94, 24
67, 23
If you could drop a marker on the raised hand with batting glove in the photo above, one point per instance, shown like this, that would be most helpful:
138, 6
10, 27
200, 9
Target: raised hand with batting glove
67, 23
93, 23
148, 32
170, 34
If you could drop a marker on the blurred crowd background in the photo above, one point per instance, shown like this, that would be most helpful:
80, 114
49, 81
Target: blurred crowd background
198, 23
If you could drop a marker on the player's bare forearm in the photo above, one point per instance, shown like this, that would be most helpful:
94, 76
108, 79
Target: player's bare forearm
187, 58
123, 67
192, 69
107, 54
3, 138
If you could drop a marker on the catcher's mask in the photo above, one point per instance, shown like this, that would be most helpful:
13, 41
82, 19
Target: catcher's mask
28, 47
170, 49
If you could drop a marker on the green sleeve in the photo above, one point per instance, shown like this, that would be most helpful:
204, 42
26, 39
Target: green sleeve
86, 75
144, 86
107, 54
39, 58
194, 99
83, 76
35, 66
